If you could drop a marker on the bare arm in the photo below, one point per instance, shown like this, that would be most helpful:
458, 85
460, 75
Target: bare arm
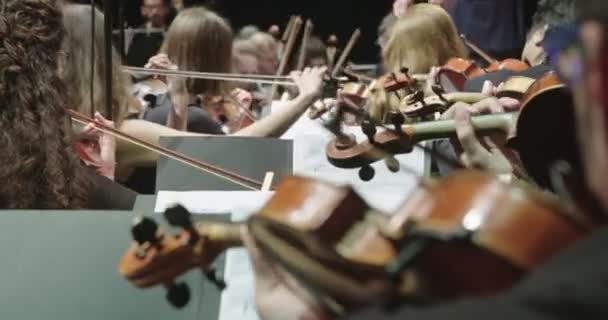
309, 83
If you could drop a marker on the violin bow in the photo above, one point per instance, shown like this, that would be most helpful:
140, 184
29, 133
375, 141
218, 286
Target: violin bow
332, 43
346, 53
268, 79
286, 34
219, 172
308, 29
477, 49
297, 25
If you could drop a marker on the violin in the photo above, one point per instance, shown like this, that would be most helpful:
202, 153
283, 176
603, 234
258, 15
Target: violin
539, 98
384, 145
546, 131
353, 256
227, 112
493, 64
456, 237
224, 110
453, 75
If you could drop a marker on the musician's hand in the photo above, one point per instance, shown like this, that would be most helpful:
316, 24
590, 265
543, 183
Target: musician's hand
487, 153
105, 156
277, 294
161, 61
509, 104
243, 97
309, 81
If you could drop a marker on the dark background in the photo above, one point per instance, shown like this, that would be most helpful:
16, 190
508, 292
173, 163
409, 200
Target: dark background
341, 17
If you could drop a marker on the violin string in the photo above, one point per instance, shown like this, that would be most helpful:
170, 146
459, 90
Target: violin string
229, 75
245, 182
209, 77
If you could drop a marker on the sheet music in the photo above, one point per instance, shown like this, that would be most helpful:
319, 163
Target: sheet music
385, 192
238, 297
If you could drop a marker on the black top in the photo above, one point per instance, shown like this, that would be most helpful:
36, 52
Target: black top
497, 27
574, 285
143, 47
199, 120
143, 180
109, 195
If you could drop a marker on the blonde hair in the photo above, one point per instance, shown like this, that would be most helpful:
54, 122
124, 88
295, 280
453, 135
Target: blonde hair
76, 66
424, 37
200, 40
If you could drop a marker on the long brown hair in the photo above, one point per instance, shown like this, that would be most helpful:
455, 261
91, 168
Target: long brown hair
423, 38
39, 168
200, 40
76, 68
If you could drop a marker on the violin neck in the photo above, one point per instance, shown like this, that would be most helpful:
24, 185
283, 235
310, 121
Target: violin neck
442, 129
223, 235
467, 97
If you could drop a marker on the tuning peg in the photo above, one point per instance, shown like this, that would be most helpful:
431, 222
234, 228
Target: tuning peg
439, 91
367, 173
369, 129
397, 119
144, 230
178, 216
213, 278
392, 164
418, 96
178, 294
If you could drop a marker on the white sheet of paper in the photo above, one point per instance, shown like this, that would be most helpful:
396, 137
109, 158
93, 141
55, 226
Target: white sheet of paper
238, 298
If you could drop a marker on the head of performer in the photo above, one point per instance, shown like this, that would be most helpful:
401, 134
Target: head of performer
39, 167
83, 63
267, 47
156, 13
200, 40
422, 38
549, 14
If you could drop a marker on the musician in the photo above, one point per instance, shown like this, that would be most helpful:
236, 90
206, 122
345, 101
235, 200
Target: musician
267, 48
201, 40
157, 16
424, 37
498, 27
130, 159
549, 14
40, 168
573, 285
316, 53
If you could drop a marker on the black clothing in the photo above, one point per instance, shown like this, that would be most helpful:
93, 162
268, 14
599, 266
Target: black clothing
143, 180
199, 120
109, 195
497, 27
476, 84
573, 285
143, 47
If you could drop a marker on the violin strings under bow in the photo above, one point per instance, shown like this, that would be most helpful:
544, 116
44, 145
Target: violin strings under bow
243, 181
263, 79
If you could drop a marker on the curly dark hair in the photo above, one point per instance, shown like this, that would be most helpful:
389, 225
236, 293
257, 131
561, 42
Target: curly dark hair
39, 168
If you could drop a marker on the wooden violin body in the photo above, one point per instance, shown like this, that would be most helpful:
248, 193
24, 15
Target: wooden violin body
453, 75
460, 236
540, 99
